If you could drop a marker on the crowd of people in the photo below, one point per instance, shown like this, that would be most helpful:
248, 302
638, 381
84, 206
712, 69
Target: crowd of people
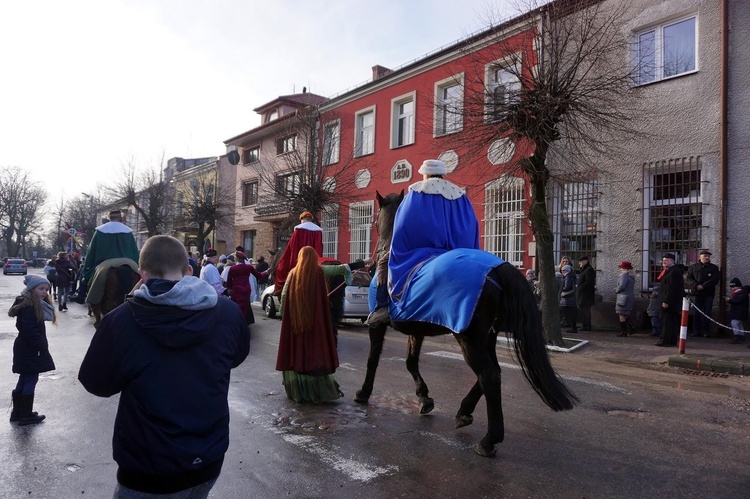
577, 293
186, 324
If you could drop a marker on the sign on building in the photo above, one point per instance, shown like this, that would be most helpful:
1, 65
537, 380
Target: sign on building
401, 172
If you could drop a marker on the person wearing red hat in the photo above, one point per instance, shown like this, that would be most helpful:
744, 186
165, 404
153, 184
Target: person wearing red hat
625, 300
305, 234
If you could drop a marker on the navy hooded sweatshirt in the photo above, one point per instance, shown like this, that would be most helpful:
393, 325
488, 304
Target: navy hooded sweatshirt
169, 351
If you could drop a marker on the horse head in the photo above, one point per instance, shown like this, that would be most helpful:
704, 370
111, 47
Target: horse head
387, 207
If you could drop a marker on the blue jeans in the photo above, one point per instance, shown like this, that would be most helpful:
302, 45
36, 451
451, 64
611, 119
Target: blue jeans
27, 383
198, 492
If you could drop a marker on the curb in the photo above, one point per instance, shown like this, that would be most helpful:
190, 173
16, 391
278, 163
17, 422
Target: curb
710, 364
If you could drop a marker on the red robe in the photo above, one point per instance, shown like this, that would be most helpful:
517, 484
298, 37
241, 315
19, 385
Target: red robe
301, 237
313, 351
238, 282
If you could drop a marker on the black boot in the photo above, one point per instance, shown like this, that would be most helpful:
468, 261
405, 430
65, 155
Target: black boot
15, 414
623, 330
630, 326
738, 338
28, 416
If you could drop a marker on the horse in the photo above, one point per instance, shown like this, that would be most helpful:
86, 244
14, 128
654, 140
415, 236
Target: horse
506, 304
110, 285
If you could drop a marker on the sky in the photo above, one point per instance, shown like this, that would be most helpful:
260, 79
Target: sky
87, 86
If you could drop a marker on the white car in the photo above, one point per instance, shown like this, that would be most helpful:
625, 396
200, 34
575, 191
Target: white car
356, 302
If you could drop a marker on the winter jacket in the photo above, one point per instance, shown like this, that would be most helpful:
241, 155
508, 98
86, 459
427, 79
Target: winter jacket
169, 350
568, 290
707, 275
625, 291
586, 286
672, 289
65, 272
30, 350
738, 304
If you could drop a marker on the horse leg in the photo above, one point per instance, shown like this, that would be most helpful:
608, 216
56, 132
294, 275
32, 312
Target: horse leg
481, 358
468, 404
377, 338
426, 404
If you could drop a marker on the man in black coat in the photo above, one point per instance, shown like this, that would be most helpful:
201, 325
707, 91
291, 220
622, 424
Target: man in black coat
585, 292
671, 292
701, 279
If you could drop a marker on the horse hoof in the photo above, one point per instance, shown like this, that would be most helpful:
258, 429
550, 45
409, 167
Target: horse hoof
361, 399
426, 405
462, 421
483, 451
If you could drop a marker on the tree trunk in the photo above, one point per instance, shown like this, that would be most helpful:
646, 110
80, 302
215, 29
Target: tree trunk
545, 238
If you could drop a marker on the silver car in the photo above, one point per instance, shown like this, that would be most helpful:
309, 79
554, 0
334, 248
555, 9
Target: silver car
356, 302
14, 266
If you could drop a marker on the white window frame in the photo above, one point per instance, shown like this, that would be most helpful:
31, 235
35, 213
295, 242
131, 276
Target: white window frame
505, 218
638, 54
449, 117
360, 229
329, 222
288, 144
364, 138
511, 80
331, 142
398, 118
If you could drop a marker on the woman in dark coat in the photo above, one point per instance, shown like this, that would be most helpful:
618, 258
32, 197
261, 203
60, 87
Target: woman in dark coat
568, 298
30, 350
66, 273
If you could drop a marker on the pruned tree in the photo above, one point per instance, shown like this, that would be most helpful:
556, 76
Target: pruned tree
21, 202
549, 98
148, 191
308, 171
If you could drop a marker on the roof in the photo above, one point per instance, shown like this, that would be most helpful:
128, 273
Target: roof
295, 100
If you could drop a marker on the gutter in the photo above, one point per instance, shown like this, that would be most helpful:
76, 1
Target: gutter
723, 149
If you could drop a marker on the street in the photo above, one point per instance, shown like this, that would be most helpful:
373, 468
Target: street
639, 431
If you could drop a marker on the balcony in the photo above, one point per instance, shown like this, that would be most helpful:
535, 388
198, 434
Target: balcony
271, 208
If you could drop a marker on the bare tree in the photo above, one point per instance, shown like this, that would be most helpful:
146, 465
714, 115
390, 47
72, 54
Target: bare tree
21, 202
549, 96
308, 172
148, 192
199, 207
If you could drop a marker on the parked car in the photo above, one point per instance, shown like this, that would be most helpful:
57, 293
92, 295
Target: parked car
356, 301
15, 266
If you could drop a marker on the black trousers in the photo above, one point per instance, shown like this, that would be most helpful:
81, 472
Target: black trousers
670, 327
584, 313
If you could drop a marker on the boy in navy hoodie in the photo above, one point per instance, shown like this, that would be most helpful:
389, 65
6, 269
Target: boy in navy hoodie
168, 350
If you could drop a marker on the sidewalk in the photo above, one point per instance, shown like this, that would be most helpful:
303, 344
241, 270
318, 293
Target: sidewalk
701, 354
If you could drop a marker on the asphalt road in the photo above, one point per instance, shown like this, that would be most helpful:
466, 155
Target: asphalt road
639, 432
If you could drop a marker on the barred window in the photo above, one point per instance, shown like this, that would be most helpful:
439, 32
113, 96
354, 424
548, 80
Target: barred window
329, 222
360, 229
574, 207
504, 219
673, 212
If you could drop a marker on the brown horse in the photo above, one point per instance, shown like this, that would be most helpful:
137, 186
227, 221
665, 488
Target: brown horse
118, 281
506, 304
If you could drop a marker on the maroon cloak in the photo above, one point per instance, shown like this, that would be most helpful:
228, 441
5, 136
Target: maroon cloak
311, 352
300, 238
238, 282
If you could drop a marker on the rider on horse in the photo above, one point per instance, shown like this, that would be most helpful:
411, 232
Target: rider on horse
435, 216
113, 239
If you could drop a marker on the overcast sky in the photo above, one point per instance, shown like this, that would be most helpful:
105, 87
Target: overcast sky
86, 85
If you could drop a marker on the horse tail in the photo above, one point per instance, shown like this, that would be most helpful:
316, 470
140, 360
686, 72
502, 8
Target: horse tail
519, 315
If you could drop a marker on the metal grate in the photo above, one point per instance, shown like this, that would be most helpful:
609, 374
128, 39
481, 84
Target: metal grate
329, 222
360, 227
707, 374
673, 212
575, 217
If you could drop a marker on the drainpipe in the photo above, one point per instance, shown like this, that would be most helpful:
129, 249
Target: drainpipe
723, 149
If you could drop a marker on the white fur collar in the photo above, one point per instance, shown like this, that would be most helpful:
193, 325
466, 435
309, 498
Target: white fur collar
438, 186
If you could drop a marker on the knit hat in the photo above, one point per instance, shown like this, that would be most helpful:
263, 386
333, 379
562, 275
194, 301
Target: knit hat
567, 268
625, 266
433, 167
240, 255
32, 281
735, 283
230, 258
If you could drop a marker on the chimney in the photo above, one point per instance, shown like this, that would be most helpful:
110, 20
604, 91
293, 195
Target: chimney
379, 71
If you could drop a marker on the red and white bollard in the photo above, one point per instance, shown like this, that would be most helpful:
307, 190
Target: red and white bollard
684, 324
